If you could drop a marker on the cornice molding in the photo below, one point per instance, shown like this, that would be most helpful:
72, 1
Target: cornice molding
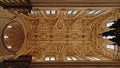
76, 4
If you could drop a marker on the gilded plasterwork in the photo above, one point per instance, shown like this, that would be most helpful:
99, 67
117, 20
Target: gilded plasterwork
62, 35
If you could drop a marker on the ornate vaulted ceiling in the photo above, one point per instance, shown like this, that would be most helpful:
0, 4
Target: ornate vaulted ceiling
60, 33
52, 32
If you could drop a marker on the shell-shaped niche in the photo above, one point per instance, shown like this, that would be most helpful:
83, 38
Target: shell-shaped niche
13, 36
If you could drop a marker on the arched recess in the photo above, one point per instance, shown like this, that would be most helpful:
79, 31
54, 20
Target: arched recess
6, 18
12, 36
24, 26
98, 26
103, 42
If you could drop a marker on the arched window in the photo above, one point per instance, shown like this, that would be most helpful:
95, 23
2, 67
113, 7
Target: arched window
50, 58
93, 58
71, 58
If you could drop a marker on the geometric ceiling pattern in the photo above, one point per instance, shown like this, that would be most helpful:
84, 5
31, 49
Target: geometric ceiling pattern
64, 34
67, 34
